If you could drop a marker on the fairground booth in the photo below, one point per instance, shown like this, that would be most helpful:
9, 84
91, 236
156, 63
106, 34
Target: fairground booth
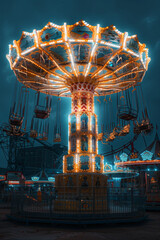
147, 164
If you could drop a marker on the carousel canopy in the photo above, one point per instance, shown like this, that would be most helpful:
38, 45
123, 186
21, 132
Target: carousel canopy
53, 60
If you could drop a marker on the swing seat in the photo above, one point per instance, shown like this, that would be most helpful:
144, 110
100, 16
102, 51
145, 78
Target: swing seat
136, 130
125, 130
57, 139
44, 138
42, 114
116, 131
16, 121
16, 132
111, 137
33, 134
126, 113
150, 128
100, 136
145, 126
123, 134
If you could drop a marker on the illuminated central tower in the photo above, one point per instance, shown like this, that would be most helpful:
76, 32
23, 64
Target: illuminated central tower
83, 139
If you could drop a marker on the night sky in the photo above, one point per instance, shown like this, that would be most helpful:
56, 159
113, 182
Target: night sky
136, 17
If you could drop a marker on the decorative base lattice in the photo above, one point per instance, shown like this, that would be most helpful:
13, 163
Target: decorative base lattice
81, 192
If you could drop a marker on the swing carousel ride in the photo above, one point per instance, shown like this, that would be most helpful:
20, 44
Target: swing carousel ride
82, 61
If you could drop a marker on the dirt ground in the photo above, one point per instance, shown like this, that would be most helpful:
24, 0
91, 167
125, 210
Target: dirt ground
149, 229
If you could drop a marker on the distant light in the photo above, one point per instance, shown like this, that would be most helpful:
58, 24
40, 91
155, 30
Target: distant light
123, 157
117, 178
51, 179
107, 167
2, 177
35, 178
147, 155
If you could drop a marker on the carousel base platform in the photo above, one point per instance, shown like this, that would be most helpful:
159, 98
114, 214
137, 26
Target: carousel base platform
81, 192
79, 220
80, 198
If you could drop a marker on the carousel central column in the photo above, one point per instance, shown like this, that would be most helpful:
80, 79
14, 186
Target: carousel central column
83, 133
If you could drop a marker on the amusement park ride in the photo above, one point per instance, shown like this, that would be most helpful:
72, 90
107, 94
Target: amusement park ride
82, 61
40, 119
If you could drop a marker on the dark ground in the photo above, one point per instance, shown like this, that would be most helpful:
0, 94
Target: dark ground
149, 229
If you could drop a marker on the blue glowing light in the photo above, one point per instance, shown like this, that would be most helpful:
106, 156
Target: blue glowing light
2, 177
117, 178
107, 167
51, 179
35, 178
123, 157
110, 64
147, 155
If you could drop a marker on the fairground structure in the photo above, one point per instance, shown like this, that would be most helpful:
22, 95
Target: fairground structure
79, 61
147, 164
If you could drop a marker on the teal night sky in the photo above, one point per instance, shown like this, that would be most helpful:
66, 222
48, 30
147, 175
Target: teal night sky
135, 17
